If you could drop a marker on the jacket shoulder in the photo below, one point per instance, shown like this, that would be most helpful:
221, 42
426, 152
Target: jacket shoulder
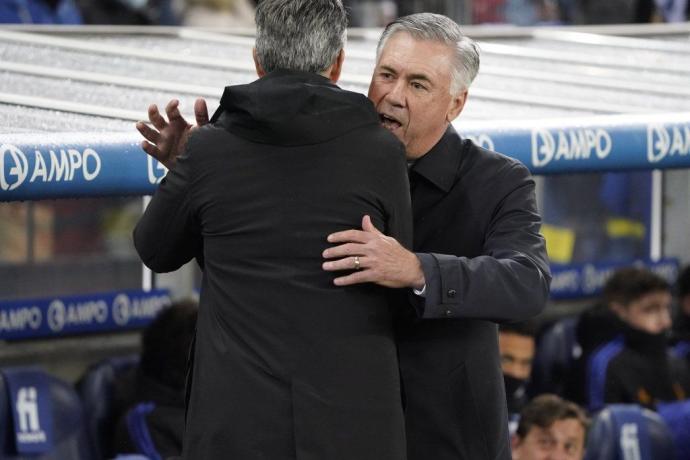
493, 162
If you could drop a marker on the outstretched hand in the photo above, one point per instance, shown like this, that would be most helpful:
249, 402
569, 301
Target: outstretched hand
167, 141
374, 257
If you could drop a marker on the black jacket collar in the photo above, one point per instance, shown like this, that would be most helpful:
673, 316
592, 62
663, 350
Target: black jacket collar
440, 165
292, 108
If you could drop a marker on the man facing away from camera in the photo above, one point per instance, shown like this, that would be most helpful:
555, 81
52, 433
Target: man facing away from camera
286, 365
478, 256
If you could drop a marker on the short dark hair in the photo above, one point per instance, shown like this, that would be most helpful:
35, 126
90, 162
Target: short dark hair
629, 284
166, 342
546, 409
683, 282
526, 328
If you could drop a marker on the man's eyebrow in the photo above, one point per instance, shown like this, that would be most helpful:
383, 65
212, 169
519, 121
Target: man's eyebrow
419, 76
388, 69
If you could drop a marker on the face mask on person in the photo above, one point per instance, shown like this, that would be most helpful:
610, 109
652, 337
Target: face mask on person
515, 388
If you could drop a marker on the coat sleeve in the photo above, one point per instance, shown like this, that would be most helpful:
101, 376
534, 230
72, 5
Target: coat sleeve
167, 236
509, 281
399, 210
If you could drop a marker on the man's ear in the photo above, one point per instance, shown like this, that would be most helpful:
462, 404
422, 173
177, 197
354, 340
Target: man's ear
260, 72
457, 103
514, 444
619, 309
333, 72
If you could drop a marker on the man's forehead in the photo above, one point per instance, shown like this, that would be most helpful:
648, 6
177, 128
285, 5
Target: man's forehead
403, 38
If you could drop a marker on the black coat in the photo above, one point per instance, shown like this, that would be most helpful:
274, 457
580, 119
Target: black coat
476, 231
287, 365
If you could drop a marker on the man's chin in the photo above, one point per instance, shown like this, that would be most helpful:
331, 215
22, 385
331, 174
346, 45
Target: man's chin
396, 130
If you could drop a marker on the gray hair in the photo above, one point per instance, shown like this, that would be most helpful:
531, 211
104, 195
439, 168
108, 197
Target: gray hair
439, 28
304, 35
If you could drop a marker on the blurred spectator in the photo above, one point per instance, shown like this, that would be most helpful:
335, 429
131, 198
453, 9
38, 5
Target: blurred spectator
219, 13
616, 11
681, 320
595, 327
636, 367
673, 10
550, 428
516, 346
129, 12
39, 12
157, 401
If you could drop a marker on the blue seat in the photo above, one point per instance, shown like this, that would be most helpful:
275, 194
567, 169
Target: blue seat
97, 390
676, 414
628, 431
556, 351
69, 435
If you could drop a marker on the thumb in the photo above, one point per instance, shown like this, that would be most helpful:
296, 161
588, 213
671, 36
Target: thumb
368, 225
200, 112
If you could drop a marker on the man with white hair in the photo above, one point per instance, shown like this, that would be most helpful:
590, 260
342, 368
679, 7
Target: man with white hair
478, 256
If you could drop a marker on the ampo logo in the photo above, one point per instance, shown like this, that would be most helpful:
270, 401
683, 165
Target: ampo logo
156, 171
662, 142
121, 309
572, 145
57, 315
14, 167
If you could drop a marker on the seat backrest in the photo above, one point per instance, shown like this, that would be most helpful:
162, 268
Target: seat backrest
677, 417
97, 391
43, 404
556, 350
628, 432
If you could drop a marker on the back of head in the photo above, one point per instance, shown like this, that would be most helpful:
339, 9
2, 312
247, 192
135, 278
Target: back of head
629, 284
301, 35
524, 328
442, 29
166, 342
544, 410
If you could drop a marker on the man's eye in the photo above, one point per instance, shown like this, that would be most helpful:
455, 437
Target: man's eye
386, 76
419, 86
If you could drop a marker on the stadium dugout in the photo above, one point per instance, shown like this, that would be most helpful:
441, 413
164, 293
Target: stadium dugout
601, 115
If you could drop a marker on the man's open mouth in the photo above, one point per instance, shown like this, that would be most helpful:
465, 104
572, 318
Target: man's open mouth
389, 123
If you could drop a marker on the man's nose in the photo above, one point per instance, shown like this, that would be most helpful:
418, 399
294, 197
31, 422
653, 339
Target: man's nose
665, 319
396, 95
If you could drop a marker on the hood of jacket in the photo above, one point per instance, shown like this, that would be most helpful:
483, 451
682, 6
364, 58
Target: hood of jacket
292, 108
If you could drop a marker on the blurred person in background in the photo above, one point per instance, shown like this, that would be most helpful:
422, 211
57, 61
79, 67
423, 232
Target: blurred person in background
681, 319
550, 428
130, 12
615, 11
636, 366
157, 387
516, 343
219, 13
39, 12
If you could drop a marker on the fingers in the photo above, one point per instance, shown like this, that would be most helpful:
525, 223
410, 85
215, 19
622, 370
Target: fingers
149, 133
172, 110
200, 112
151, 149
354, 236
156, 118
346, 263
343, 250
368, 225
357, 277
